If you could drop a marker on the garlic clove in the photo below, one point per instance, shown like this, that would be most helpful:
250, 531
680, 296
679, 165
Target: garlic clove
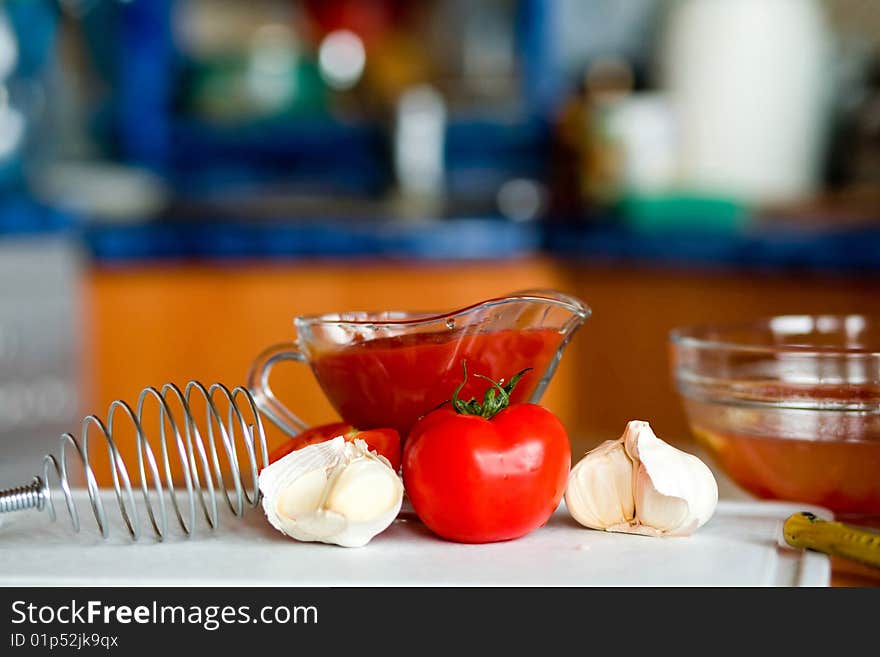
599, 491
287, 469
333, 492
320, 525
302, 495
285, 498
364, 491
658, 515
675, 492
358, 534
368, 493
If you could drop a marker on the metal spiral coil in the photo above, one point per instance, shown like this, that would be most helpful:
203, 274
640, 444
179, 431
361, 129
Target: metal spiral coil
198, 457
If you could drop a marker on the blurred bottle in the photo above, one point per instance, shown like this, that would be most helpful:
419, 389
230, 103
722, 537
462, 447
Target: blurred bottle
588, 162
609, 83
568, 199
749, 85
419, 146
862, 164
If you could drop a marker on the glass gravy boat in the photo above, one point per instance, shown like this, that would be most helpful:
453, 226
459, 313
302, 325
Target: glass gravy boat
387, 369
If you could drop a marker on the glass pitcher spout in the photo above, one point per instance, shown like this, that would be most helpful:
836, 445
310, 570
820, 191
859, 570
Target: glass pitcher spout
580, 311
540, 310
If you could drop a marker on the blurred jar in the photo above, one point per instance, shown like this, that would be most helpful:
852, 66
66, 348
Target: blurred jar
749, 84
643, 129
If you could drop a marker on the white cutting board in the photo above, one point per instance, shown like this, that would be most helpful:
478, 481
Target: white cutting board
738, 547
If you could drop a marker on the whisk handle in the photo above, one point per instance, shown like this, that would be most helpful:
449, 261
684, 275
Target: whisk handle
20, 498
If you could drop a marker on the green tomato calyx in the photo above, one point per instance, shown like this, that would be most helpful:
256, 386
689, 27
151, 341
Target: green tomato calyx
495, 399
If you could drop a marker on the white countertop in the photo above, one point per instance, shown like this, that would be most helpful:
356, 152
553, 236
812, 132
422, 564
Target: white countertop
738, 547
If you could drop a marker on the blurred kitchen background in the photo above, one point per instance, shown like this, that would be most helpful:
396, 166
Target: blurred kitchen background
179, 178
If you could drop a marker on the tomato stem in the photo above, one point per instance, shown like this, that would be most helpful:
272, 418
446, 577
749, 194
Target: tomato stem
495, 399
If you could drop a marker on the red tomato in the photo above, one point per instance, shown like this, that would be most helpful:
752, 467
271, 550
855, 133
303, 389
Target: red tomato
385, 442
477, 480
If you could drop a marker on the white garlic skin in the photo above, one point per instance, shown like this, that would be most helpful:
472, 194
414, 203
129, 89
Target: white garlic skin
332, 492
669, 492
675, 492
599, 491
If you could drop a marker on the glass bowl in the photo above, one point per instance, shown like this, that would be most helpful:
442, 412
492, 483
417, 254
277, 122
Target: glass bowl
789, 407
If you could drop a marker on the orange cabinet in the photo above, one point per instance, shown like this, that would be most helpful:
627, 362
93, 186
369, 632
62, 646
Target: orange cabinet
175, 322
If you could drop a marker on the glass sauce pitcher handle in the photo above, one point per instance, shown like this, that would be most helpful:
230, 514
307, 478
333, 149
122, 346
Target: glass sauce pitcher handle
258, 384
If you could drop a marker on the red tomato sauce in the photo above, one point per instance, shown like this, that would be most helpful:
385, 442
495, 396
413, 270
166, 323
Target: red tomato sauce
392, 382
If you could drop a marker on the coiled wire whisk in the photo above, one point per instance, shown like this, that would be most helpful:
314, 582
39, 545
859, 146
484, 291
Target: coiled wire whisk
199, 459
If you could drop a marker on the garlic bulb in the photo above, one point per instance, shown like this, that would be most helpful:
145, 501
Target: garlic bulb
333, 492
639, 484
